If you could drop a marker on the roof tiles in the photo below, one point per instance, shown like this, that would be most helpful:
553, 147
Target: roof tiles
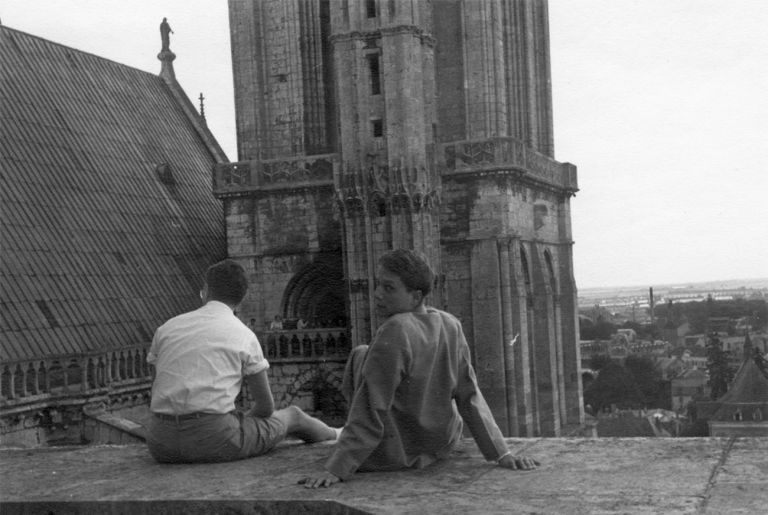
92, 252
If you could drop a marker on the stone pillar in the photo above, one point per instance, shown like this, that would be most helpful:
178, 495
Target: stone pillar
524, 364
554, 288
312, 71
529, 93
569, 322
484, 66
510, 337
245, 22
545, 353
279, 59
359, 271
488, 337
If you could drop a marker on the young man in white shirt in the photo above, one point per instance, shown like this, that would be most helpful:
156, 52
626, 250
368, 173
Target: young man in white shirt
201, 359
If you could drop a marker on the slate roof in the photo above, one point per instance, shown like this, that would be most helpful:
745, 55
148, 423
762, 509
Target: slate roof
747, 392
107, 214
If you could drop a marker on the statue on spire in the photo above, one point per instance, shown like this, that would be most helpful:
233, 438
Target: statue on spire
165, 32
166, 56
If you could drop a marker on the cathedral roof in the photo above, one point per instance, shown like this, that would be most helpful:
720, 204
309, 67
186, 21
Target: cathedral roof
108, 218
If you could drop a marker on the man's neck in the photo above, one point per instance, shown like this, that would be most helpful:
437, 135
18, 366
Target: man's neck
230, 306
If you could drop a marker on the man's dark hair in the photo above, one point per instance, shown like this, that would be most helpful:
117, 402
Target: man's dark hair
411, 267
226, 282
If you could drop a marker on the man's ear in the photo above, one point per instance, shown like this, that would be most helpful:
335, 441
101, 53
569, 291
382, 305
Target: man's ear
418, 297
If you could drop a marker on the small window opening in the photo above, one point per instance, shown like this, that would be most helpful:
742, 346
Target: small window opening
165, 174
373, 68
377, 127
370, 8
47, 313
345, 11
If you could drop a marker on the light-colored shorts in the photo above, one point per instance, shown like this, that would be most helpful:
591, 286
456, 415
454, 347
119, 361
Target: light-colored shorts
210, 437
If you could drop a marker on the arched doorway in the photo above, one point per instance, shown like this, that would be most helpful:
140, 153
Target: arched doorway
317, 293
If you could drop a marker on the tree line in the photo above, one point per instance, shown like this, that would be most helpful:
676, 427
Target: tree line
697, 314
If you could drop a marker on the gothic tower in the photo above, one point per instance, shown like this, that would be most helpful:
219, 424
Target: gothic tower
376, 124
384, 69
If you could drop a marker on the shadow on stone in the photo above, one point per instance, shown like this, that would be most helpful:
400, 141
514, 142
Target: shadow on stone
200, 507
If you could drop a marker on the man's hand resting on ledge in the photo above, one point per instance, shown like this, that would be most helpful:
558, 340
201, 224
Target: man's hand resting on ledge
323, 480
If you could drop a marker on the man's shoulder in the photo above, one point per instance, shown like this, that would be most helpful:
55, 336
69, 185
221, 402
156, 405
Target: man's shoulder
446, 317
175, 320
406, 322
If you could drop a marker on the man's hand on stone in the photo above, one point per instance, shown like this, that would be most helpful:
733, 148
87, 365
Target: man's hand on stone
518, 462
323, 480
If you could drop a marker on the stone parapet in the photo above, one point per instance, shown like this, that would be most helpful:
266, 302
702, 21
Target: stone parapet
500, 155
247, 177
576, 476
51, 380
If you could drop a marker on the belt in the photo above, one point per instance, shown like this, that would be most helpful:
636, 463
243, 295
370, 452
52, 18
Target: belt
184, 416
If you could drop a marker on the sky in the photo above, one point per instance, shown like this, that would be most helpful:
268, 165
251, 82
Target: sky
661, 104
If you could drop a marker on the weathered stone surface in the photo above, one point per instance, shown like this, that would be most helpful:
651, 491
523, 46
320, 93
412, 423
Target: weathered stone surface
577, 476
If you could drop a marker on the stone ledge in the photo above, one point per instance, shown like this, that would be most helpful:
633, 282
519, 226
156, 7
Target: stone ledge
577, 476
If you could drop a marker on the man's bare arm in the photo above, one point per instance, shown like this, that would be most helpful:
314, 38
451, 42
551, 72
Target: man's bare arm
258, 387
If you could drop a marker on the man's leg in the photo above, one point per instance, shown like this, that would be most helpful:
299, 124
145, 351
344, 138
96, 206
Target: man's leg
301, 425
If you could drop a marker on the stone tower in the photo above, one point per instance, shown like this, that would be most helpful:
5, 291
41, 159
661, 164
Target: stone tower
376, 124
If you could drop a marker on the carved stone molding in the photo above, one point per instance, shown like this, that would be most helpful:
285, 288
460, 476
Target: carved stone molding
246, 176
380, 190
507, 155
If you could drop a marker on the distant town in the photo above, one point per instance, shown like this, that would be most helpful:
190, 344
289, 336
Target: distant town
654, 359
635, 300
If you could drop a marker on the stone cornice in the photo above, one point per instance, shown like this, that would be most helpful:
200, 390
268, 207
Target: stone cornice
248, 178
503, 239
425, 37
509, 157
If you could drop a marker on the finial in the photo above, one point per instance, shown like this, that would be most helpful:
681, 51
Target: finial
165, 55
202, 106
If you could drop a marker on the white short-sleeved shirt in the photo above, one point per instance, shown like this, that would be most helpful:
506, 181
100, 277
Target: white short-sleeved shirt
200, 360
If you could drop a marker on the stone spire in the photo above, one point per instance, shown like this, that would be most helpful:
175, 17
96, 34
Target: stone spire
166, 56
748, 352
202, 106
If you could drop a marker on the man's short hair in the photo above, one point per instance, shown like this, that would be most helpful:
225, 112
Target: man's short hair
411, 267
226, 282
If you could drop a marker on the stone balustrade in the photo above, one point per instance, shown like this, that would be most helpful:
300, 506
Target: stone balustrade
79, 375
505, 154
271, 174
75, 375
305, 344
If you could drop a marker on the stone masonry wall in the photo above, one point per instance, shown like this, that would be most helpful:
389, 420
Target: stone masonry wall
274, 251
314, 387
487, 220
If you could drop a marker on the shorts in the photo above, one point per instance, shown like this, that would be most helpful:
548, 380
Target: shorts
212, 437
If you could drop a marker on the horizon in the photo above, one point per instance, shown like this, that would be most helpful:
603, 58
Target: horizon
668, 141
758, 280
